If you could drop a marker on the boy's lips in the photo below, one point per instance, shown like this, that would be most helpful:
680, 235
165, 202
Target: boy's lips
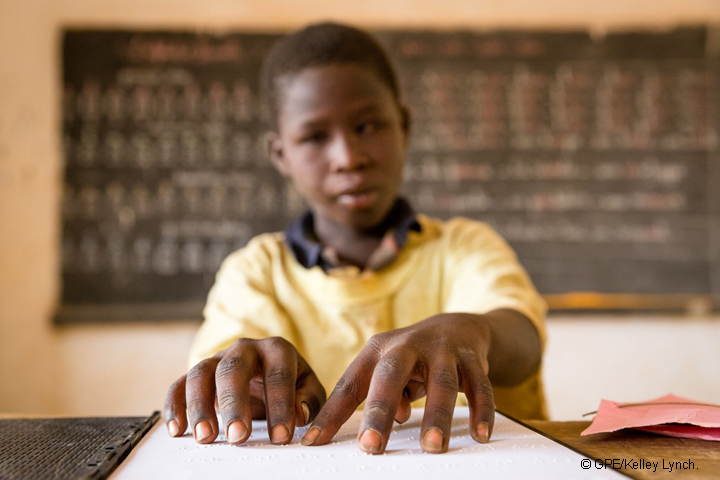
358, 199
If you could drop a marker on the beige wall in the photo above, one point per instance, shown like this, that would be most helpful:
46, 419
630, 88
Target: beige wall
124, 369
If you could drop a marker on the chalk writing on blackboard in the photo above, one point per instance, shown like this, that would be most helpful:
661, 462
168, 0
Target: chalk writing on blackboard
595, 159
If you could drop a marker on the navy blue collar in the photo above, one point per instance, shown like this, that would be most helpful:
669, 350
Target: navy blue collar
300, 234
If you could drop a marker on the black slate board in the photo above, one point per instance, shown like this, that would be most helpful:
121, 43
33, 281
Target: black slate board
68, 448
597, 159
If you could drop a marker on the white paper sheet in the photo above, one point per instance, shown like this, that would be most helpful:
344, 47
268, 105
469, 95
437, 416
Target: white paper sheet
514, 452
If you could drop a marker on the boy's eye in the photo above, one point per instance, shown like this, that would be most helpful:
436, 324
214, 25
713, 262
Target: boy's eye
315, 137
367, 127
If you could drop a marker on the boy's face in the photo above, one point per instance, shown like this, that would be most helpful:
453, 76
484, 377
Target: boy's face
342, 140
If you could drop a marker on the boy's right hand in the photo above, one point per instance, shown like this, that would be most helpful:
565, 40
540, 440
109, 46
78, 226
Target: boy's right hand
252, 379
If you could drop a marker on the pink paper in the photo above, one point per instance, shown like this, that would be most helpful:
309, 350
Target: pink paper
684, 431
697, 419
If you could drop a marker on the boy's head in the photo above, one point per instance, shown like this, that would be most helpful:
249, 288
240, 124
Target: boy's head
320, 45
339, 130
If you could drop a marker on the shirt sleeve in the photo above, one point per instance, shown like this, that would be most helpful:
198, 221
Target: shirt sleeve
241, 303
483, 274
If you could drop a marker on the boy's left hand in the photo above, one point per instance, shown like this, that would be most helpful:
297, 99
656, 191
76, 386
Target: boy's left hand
437, 357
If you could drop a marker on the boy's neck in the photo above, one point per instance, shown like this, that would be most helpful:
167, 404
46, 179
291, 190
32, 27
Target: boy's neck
352, 245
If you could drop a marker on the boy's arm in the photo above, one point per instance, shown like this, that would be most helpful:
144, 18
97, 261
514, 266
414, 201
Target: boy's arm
514, 347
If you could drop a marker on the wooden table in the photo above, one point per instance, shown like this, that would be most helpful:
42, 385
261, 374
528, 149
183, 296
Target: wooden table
634, 445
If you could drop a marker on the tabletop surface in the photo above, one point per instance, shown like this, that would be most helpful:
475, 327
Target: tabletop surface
698, 458
638, 449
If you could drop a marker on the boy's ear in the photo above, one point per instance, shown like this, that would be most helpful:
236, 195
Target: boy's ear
275, 151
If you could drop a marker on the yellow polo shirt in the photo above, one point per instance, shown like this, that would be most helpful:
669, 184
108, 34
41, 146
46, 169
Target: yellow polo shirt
458, 265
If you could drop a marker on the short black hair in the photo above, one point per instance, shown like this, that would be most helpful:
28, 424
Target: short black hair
318, 45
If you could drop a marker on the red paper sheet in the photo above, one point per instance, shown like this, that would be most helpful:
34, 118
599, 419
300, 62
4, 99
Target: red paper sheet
668, 415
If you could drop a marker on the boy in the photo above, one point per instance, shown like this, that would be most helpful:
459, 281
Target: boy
416, 306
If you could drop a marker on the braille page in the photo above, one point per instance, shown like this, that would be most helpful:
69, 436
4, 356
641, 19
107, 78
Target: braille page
514, 452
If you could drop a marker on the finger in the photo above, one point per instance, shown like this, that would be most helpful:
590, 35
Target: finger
257, 398
442, 389
478, 390
232, 377
200, 398
309, 394
348, 394
404, 408
174, 408
386, 387
279, 362
414, 390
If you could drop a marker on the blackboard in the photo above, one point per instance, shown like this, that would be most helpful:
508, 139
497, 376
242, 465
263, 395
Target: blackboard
598, 159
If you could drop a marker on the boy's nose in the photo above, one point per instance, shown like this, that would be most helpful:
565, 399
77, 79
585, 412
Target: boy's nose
346, 154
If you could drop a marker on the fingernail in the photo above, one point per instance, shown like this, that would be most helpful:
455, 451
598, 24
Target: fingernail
173, 428
306, 412
433, 441
371, 440
236, 431
482, 432
312, 434
279, 434
202, 430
